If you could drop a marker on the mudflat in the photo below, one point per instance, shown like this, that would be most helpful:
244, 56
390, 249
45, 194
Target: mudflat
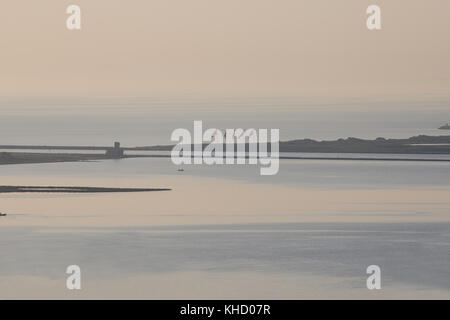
55, 189
22, 157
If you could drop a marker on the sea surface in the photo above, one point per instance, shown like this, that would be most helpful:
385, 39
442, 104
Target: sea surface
310, 231
143, 122
227, 232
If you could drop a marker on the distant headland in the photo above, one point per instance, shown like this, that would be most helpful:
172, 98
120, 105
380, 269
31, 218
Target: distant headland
415, 145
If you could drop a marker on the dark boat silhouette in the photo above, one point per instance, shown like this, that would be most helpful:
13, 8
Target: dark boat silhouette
2, 214
445, 127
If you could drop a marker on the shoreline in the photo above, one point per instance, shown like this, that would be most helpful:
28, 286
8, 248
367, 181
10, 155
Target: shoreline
24, 158
41, 158
60, 189
397, 149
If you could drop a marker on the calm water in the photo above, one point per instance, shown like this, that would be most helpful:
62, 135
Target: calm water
265, 257
305, 173
149, 122
225, 231
416, 255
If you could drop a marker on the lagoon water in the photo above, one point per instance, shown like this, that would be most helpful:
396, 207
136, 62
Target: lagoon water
143, 122
227, 232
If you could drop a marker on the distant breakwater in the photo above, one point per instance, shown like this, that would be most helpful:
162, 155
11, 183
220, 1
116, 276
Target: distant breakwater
54, 189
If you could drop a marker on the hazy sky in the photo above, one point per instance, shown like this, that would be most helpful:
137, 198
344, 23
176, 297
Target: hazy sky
224, 48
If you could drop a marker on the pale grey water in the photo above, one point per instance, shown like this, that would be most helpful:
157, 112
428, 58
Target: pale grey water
411, 254
149, 122
306, 173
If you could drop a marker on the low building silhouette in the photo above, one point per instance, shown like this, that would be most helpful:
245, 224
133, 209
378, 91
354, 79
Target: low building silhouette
116, 151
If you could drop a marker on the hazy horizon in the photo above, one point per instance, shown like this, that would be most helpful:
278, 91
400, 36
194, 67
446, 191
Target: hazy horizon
140, 69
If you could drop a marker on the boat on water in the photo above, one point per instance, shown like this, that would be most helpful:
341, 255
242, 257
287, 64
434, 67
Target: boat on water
445, 127
181, 170
2, 214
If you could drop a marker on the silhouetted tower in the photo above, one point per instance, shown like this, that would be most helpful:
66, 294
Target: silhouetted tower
115, 152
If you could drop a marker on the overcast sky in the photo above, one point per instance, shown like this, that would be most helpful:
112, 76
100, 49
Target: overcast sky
233, 48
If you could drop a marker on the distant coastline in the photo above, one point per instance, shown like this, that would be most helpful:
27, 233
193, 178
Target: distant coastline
414, 145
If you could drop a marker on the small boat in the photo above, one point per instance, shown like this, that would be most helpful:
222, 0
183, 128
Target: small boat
2, 214
446, 127
181, 170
